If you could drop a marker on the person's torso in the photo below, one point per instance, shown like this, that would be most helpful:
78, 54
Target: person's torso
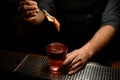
80, 11
79, 19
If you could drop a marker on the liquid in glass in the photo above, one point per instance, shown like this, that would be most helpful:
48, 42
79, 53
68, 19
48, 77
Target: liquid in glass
56, 53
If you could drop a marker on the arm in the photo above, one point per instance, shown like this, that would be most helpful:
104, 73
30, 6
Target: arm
78, 58
101, 38
110, 23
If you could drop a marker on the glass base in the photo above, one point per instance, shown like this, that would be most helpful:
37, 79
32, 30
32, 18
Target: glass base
54, 75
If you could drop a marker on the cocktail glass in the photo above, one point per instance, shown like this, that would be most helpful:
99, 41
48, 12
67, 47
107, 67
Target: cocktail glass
56, 53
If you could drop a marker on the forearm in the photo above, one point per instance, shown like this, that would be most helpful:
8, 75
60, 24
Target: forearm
101, 38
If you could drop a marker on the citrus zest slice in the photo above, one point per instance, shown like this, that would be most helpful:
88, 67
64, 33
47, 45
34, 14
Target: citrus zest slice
52, 19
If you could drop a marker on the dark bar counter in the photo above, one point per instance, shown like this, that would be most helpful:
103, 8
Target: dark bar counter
27, 66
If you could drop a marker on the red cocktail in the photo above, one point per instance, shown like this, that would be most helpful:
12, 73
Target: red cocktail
56, 53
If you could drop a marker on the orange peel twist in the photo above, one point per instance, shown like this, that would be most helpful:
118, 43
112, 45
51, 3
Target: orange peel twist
52, 19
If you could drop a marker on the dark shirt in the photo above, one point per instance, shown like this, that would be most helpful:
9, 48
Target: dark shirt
81, 12
45, 4
111, 14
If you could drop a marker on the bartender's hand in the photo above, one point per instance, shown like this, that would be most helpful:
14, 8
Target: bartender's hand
29, 11
75, 61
